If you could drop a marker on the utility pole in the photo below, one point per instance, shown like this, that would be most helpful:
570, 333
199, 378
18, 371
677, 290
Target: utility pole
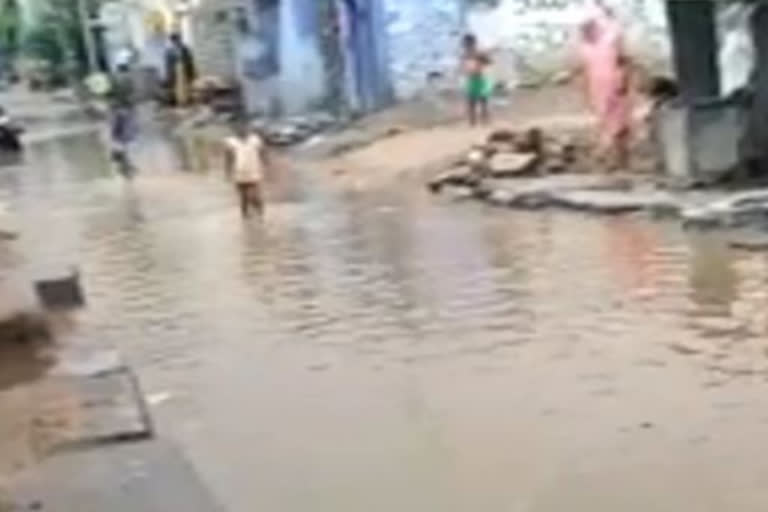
87, 23
694, 40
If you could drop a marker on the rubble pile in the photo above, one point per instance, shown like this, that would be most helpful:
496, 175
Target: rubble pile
531, 171
509, 154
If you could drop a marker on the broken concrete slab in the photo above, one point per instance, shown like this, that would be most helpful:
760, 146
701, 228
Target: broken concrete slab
112, 408
152, 476
75, 411
756, 242
541, 192
45, 416
736, 210
86, 362
615, 202
460, 177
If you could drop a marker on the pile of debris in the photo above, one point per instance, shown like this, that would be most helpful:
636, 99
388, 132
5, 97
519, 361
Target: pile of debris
534, 170
508, 154
295, 130
284, 132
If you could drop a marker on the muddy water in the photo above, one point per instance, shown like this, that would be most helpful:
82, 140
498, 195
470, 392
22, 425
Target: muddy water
390, 351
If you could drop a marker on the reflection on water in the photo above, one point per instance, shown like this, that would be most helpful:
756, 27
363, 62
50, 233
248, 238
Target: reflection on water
714, 281
382, 350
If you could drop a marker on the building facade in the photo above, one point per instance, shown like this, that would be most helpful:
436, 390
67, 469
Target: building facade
292, 56
140, 27
533, 39
423, 41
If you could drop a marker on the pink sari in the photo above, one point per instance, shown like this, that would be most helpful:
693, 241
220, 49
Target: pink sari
606, 78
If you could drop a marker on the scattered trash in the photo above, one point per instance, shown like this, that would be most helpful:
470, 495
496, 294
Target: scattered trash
295, 130
158, 398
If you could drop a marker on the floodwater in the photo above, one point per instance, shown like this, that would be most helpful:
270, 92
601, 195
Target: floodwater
388, 350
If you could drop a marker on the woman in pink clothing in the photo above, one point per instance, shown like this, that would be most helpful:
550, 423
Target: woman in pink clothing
606, 71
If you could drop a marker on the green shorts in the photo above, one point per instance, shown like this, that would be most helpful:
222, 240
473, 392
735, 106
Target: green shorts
478, 88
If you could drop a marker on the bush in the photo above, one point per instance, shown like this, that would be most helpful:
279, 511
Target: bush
42, 44
58, 38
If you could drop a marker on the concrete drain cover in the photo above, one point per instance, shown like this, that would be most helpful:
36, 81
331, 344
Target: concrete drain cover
151, 476
79, 411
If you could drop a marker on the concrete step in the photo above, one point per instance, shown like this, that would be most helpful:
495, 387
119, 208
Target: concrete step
148, 476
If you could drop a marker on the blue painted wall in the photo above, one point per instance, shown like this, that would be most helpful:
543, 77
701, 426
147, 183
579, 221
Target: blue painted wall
367, 58
302, 74
423, 37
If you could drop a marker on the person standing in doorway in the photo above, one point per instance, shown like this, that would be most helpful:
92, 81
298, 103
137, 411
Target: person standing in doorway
246, 161
180, 71
478, 86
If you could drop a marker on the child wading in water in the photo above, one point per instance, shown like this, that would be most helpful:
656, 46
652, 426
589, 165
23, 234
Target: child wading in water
478, 88
246, 161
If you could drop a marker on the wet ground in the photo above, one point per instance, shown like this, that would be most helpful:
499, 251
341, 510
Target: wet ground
386, 350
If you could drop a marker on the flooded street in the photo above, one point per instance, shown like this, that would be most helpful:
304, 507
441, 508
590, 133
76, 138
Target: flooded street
386, 350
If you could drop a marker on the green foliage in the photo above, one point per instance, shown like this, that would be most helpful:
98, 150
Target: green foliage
10, 25
43, 43
57, 38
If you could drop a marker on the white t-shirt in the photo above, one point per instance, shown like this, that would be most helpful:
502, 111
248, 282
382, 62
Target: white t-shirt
248, 165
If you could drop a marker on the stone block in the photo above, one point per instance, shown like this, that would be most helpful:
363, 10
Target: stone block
462, 177
614, 202
736, 210
60, 289
513, 164
98, 409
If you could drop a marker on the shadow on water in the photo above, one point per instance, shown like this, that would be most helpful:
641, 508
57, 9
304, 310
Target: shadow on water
713, 276
11, 158
23, 362
74, 158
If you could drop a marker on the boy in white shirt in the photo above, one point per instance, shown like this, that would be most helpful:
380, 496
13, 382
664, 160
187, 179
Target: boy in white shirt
246, 161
